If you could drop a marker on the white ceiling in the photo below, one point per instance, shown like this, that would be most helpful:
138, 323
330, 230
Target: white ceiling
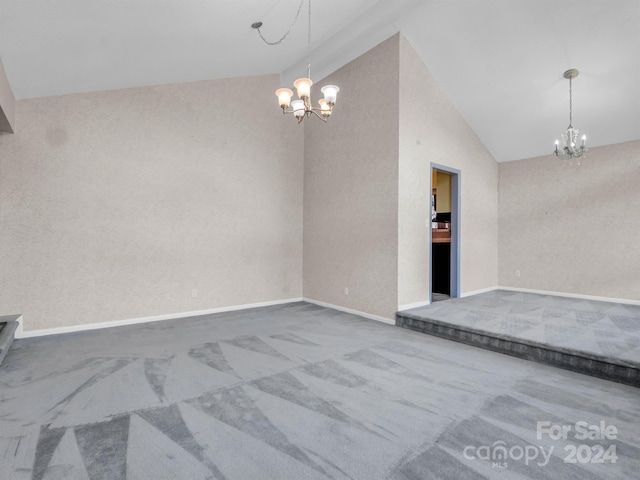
500, 61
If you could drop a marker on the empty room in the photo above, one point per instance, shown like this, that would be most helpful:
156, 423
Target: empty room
319, 239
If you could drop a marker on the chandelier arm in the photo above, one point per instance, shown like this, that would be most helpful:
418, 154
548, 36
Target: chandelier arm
307, 112
313, 110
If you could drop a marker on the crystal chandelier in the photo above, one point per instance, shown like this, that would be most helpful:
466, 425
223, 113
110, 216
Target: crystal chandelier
302, 106
570, 149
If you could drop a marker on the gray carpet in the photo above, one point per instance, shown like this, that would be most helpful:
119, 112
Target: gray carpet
439, 297
300, 392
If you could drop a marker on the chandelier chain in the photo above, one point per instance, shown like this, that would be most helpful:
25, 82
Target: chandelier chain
309, 43
278, 42
570, 104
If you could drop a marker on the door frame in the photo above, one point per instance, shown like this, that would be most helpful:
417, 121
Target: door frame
454, 261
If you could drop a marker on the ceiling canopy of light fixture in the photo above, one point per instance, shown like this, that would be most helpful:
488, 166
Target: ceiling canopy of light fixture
570, 149
302, 106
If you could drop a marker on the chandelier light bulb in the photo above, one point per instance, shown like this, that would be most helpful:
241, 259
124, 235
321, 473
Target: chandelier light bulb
330, 93
325, 108
298, 107
303, 86
284, 97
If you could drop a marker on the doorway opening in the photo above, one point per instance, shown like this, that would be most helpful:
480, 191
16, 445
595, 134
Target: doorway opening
444, 263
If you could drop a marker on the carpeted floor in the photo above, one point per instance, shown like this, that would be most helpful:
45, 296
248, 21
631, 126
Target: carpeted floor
301, 392
439, 297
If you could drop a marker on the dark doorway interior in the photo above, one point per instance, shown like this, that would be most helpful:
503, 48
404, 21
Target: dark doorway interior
444, 234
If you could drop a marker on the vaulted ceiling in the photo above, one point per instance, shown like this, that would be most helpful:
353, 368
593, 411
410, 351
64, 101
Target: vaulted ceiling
500, 61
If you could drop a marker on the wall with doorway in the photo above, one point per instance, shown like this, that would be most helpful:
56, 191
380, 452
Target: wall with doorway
431, 130
367, 192
572, 228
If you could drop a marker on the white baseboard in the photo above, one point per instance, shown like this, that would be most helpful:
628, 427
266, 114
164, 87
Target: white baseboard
133, 321
21, 333
409, 306
478, 292
573, 295
370, 316
462, 295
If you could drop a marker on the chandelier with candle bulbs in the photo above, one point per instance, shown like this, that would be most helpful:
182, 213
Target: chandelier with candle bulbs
302, 106
570, 149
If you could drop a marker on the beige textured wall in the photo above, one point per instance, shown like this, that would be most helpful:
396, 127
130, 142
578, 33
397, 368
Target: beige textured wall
351, 188
431, 130
573, 229
7, 103
115, 205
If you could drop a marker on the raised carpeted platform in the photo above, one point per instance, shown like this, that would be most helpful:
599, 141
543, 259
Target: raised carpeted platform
595, 338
